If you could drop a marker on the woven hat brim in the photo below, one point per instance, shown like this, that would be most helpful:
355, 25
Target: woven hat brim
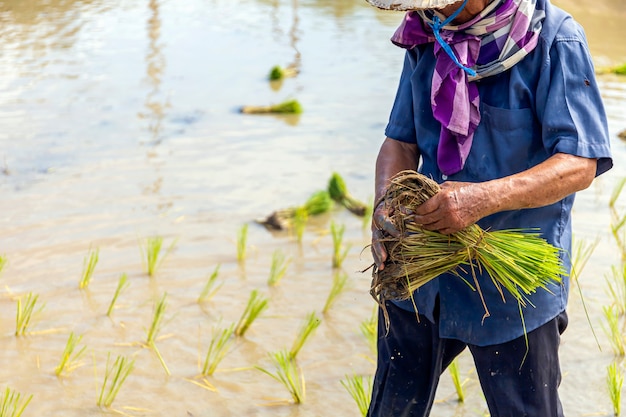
404, 5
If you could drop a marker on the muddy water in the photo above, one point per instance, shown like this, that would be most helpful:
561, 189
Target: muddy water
119, 121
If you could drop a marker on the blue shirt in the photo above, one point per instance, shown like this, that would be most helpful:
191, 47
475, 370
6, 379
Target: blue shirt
546, 104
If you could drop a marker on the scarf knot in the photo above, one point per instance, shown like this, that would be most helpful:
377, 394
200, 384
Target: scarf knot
492, 42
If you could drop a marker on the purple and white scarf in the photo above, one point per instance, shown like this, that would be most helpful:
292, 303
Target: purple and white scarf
491, 43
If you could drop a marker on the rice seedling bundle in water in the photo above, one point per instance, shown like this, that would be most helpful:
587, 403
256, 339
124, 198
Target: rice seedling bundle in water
519, 261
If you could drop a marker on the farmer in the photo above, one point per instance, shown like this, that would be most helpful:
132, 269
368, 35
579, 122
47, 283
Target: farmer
497, 102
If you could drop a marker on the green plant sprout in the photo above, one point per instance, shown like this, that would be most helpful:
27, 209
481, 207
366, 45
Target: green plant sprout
367, 216
340, 279
3, 263
89, 265
122, 284
220, 343
456, 380
339, 193
369, 330
12, 403
360, 389
616, 285
210, 288
582, 252
70, 359
256, 305
311, 323
616, 338
116, 374
278, 267
614, 382
300, 218
25, 312
616, 192
285, 107
155, 329
288, 373
278, 73
619, 233
151, 253
242, 243
339, 252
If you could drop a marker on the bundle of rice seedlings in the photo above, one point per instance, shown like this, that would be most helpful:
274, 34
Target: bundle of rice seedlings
286, 107
278, 73
519, 261
319, 202
339, 192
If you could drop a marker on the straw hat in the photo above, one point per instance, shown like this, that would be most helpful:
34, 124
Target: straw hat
411, 4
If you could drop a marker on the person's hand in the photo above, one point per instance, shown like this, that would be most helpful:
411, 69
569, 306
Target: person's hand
456, 206
382, 226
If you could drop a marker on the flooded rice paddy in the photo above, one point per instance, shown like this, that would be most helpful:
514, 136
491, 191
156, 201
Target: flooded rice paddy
120, 122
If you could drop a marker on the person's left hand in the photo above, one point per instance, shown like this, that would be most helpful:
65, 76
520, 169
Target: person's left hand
456, 206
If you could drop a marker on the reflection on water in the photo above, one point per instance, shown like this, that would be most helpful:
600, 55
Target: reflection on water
119, 121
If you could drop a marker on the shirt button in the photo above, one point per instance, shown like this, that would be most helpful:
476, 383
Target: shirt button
444, 177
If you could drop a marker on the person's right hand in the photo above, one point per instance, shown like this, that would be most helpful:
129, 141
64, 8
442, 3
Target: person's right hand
382, 226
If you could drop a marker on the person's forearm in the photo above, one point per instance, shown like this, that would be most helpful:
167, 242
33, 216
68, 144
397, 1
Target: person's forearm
541, 185
394, 156
460, 204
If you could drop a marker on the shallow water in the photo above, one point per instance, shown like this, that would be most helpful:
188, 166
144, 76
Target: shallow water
120, 121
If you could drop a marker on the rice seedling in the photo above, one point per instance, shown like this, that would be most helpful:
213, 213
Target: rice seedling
519, 261
70, 358
339, 251
114, 377
318, 203
360, 388
13, 404
367, 217
256, 305
616, 338
456, 380
89, 265
619, 233
122, 284
340, 279
614, 382
25, 312
616, 285
157, 320
278, 72
369, 330
278, 268
3, 263
300, 218
242, 243
210, 288
311, 323
339, 192
285, 107
288, 373
155, 329
218, 348
617, 191
151, 255
581, 253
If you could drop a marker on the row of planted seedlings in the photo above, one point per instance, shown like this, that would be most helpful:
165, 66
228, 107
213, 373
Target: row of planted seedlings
284, 366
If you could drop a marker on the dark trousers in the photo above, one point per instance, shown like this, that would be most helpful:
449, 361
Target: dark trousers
517, 380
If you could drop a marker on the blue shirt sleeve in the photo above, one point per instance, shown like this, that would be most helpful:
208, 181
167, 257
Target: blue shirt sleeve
401, 124
569, 104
